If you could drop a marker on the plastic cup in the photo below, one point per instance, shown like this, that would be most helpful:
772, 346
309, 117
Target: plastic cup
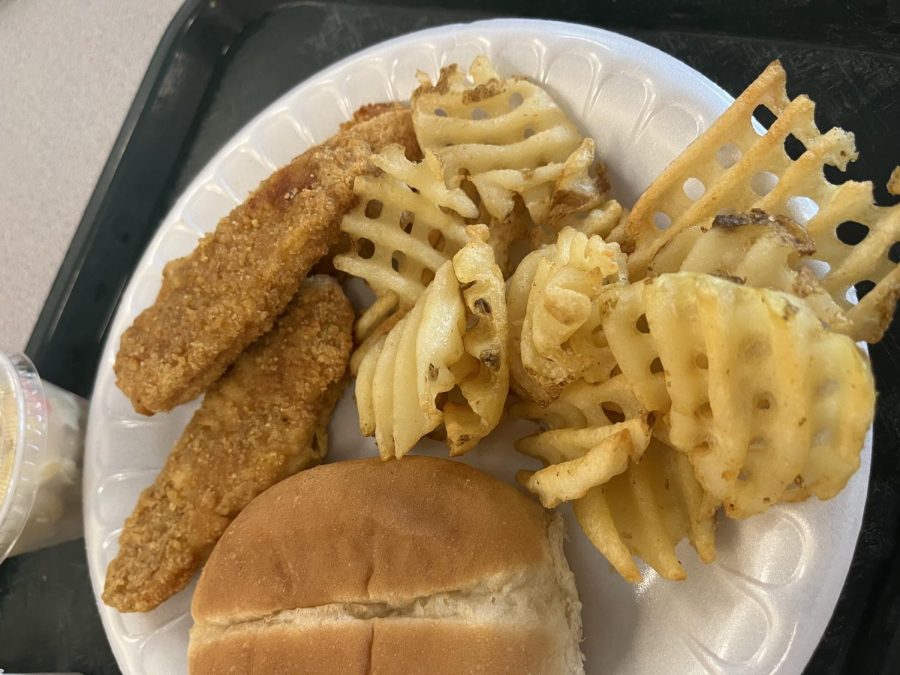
41, 448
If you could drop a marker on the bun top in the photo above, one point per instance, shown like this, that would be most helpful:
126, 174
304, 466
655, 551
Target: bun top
366, 531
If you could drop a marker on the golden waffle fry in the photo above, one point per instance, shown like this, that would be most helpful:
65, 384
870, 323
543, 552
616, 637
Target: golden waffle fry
579, 459
607, 221
509, 142
389, 387
552, 313
406, 224
755, 249
497, 133
452, 342
624, 326
765, 402
646, 511
376, 320
732, 168
582, 404
483, 373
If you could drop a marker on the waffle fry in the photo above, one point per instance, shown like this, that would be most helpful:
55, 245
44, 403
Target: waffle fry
765, 402
755, 249
607, 221
509, 141
552, 314
579, 459
643, 510
376, 320
582, 404
483, 374
451, 343
477, 131
732, 167
396, 402
406, 224
646, 511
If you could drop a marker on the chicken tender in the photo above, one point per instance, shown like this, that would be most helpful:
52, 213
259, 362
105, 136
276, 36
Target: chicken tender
264, 420
232, 287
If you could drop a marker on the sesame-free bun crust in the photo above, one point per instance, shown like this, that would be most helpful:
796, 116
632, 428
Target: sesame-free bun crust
391, 646
418, 565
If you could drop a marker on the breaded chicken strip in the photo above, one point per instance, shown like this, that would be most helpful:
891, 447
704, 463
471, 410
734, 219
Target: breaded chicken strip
264, 420
230, 289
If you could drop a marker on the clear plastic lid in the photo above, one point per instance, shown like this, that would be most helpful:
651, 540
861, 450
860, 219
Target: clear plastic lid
23, 436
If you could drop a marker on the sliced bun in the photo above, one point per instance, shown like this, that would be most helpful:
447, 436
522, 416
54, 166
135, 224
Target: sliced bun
419, 565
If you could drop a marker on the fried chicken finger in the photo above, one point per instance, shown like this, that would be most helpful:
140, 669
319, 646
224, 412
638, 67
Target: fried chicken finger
232, 287
264, 420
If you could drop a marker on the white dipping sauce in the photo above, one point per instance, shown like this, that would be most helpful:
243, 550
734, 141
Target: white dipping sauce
41, 447
56, 514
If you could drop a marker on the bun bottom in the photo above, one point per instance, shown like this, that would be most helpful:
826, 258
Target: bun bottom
387, 646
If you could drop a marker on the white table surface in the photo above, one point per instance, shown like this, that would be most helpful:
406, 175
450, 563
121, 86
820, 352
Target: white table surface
69, 70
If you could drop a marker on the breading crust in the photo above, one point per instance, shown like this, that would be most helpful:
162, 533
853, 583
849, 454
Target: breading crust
263, 420
232, 287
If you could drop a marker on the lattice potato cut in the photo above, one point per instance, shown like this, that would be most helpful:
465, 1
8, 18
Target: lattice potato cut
755, 249
509, 138
406, 224
580, 459
592, 432
646, 511
389, 388
731, 168
444, 362
583, 404
552, 313
607, 221
765, 402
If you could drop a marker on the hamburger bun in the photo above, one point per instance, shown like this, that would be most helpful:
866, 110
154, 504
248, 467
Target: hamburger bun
415, 566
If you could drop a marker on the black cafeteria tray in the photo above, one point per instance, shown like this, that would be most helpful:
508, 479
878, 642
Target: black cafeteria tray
222, 61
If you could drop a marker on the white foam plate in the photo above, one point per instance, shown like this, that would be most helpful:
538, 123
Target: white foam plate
761, 608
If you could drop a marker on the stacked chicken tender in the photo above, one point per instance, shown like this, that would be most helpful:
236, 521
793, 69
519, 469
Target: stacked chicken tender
694, 355
239, 321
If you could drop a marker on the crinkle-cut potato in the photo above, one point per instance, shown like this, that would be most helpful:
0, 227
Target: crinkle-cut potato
766, 403
571, 197
732, 168
552, 313
579, 459
756, 249
509, 140
452, 344
646, 511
